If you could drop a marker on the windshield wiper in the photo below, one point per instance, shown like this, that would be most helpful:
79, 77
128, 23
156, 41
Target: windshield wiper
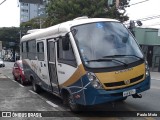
114, 56
101, 60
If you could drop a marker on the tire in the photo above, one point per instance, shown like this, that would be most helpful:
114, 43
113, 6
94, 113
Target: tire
74, 107
14, 78
21, 81
36, 88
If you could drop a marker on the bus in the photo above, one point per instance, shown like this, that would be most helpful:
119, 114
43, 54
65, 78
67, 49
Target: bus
85, 62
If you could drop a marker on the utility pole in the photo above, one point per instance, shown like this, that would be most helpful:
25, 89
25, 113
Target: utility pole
112, 2
117, 3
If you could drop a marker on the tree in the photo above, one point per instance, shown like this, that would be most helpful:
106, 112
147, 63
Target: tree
9, 35
33, 23
63, 10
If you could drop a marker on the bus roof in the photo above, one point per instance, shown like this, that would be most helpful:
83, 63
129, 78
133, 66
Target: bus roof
62, 27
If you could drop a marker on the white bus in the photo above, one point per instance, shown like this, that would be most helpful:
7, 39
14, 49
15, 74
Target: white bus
85, 61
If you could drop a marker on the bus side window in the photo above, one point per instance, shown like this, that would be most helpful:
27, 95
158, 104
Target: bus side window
32, 49
66, 56
40, 51
24, 50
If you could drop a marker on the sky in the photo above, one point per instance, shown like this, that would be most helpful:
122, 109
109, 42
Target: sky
10, 13
144, 10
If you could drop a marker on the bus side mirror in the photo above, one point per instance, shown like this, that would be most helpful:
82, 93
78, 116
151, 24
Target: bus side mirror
65, 43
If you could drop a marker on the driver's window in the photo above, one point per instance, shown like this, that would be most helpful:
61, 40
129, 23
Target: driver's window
65, 56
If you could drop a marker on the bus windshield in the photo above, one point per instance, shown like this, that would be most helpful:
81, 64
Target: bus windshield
106, 44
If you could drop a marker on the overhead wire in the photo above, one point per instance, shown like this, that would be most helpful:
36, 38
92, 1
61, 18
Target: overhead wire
146, 18
2, 2
149, 18
138, 2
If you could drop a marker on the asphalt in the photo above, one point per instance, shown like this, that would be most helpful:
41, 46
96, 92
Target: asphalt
155, 75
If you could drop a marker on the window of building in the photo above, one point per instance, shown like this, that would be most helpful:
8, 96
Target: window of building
24, 16
24, 4
24, 10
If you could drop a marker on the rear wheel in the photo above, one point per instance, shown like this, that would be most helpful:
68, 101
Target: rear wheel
36, 88
21, 80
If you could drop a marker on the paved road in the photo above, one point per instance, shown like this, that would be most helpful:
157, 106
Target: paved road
15, 97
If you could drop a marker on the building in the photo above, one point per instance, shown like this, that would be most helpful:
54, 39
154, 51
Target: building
30, 10
149, 40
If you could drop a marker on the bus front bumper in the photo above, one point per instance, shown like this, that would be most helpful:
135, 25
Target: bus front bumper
93, 97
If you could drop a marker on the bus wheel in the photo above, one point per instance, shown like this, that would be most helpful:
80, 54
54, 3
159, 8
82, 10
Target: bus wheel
72, 105
36, 88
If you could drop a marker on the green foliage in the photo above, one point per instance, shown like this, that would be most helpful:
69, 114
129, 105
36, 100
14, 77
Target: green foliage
9, 34
63, 10
32, 24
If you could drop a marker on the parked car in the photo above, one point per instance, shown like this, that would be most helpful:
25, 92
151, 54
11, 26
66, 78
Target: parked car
18, 72
2, 63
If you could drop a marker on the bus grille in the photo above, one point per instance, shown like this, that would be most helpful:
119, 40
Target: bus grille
122, 82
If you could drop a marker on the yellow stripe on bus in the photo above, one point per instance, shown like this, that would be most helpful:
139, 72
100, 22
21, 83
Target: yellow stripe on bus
76, 76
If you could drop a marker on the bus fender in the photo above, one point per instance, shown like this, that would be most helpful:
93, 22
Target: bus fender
64, 93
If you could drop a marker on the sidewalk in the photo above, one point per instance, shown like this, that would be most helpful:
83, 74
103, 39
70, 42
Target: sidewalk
155, 75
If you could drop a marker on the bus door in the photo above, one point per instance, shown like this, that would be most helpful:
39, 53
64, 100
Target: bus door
42, 69
52, 66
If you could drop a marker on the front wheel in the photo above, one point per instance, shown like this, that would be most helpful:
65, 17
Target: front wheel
74, 107
36, 88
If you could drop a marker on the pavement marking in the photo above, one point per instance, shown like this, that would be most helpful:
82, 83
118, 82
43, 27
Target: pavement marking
20, 85
155, 79
13, 80
155, 87
8, 77
33, 92
51, 103
2, 76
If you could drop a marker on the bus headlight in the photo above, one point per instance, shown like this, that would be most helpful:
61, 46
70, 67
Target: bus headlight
147, 68
94, 81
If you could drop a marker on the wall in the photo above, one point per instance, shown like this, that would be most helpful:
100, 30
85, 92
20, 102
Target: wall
148, 38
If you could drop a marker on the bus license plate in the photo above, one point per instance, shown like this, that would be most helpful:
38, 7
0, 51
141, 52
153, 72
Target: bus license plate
130, 92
